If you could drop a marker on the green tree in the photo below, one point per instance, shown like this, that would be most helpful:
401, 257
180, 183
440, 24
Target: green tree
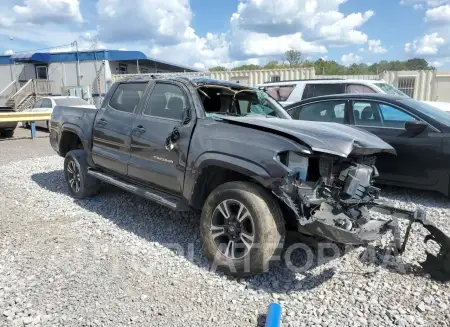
218, 69
273, 64
417, 64
293, 57
247, 67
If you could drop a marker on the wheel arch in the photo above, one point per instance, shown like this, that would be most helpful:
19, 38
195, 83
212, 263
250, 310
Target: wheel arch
71, 138
215, 169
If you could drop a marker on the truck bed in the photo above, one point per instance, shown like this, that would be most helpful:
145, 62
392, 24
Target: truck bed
73, 119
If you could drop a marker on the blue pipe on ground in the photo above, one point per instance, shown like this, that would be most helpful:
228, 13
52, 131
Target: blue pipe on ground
273, 318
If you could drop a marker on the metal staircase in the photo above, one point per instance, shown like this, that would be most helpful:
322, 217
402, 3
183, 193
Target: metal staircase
26, 96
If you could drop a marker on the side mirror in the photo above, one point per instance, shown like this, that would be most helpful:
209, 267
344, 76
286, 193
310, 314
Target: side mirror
173, 137
186, 118
415, 127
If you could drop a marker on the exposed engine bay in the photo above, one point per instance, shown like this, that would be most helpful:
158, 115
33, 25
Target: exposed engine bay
333, 198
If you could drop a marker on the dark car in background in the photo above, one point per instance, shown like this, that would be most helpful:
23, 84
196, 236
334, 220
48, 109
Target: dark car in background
418, 132
7, 128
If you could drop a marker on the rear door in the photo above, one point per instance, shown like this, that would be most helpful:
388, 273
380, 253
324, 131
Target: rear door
113, 124
150, 162
416, 154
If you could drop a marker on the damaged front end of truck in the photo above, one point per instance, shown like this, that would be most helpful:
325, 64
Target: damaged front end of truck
334, 197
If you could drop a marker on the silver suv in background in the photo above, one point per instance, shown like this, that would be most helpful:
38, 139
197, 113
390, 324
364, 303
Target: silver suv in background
288, 92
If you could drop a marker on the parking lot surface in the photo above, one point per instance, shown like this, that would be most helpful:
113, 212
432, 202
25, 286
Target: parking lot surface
117, 259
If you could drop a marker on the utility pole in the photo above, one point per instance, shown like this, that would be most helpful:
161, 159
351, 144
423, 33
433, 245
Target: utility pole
75, 44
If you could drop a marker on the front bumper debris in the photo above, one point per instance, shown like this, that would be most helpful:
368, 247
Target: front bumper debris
438, 266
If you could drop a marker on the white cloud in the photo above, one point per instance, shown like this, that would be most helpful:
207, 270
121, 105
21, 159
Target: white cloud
48, 11
350, 59
166, 21
427, 45
259, 44
343, 30
440, 62
438, 14
375, 46
315, 19
200, 52
6, 21
419, 4
8, 52
259, 30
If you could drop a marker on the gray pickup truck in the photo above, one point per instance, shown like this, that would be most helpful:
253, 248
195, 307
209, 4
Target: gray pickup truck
233, 153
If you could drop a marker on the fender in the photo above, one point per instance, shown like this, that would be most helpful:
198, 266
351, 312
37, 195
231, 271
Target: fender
84, 140
238, 164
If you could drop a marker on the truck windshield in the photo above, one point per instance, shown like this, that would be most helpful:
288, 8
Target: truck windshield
240, 102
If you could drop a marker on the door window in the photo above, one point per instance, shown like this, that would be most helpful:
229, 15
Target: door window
369, 113
315, 90
46, 103
280, 93
166, 101
127, 96
327, 111
359, 88
393, 117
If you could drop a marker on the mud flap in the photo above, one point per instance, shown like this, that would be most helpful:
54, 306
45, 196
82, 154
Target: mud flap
438, 266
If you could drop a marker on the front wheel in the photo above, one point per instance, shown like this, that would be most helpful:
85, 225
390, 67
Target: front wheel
81, 185
242, 227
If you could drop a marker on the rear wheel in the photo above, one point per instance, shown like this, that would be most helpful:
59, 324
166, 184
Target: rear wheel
81, 185
242, 228
9, 133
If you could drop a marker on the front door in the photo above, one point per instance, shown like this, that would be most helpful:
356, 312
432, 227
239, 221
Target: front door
412, 165
112, 127
150, 161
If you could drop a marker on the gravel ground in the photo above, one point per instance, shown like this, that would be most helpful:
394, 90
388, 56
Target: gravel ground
119, 260
20, 146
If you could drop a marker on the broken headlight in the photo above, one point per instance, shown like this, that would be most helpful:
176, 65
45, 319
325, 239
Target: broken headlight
297, 163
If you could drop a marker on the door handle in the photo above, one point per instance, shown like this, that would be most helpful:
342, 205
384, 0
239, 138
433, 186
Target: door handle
101, 122
139, 129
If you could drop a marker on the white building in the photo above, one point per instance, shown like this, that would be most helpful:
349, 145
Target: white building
86, 74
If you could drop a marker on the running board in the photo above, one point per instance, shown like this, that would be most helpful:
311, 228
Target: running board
159, 197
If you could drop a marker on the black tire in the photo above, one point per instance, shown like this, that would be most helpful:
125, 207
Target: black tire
26, 124
9, 133
268, 228
81, 185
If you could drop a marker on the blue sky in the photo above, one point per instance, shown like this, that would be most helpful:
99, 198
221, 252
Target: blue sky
205, 33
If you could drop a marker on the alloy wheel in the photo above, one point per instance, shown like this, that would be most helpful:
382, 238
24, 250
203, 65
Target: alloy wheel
232, 229
73, 176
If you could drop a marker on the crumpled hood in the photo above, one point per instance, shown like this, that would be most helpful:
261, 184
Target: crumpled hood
333, 138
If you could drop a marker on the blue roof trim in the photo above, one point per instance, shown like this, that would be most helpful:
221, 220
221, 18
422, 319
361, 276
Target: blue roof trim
5, 60
114, 55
